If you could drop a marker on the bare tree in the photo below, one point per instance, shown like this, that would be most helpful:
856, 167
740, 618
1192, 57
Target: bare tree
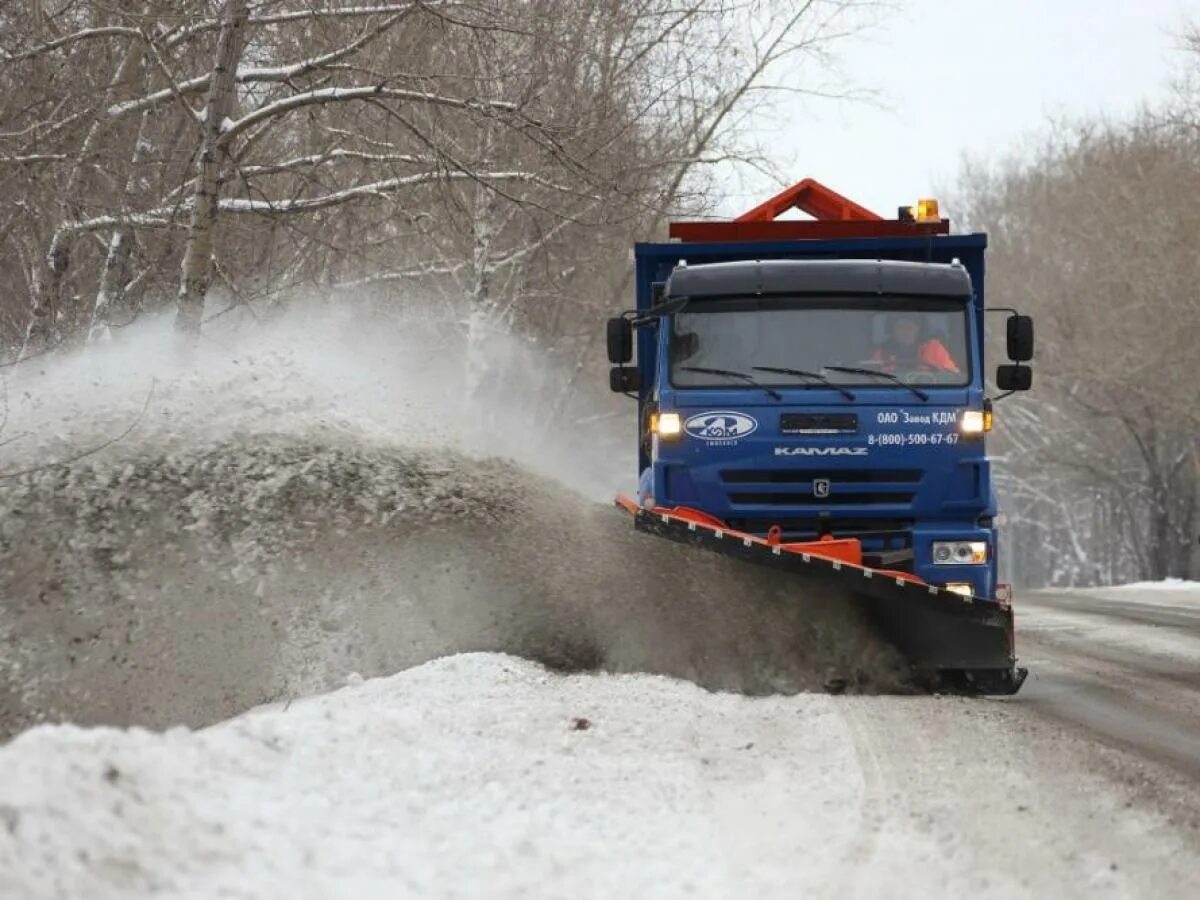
499, 155
206, 186
1089, 236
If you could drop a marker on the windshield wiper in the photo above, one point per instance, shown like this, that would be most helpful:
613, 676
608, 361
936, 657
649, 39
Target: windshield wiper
729, 373
801, 373
854, 370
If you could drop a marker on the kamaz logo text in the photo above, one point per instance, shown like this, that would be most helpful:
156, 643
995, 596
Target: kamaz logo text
821, 451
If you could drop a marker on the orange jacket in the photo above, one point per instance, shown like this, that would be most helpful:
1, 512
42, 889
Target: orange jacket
931, 354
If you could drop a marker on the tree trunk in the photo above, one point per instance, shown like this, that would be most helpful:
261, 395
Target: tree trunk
111, 293
196, 270
1161, 549
481, 321
47, 325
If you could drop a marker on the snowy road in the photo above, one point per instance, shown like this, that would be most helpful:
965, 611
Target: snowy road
1121, 667
484, 775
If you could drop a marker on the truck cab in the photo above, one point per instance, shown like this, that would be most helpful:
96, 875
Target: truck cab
810, 384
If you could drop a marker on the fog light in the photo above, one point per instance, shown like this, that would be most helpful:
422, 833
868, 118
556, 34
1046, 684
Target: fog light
959, 553
960, 587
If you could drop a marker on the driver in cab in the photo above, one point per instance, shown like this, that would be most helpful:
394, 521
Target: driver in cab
905, 350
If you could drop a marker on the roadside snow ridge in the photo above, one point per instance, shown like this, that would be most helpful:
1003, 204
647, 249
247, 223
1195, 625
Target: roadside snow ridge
472, 775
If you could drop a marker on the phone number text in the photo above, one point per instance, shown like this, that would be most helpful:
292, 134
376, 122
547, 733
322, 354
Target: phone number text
908, 440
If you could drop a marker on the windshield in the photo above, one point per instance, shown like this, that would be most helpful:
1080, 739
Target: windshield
920, 341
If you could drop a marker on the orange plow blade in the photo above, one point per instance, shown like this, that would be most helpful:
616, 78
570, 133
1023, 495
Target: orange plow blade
966, 641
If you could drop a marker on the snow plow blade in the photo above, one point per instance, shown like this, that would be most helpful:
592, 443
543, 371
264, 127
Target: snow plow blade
967, 642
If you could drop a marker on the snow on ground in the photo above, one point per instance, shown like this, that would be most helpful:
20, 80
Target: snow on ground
1149, 640
1141, 618
1167, 584
1168, 592
484, 775
476, 775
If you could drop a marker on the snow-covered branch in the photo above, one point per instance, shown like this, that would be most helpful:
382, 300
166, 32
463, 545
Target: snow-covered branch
414, 273
184, 35
313, 160
282, 73
336, 155
86, 34
34, 158
374, 189
161, 217
339, 95
165, 216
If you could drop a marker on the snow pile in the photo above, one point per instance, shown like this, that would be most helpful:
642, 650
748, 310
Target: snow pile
290, 508
1167, 584
471, 776
1168, 592
487, 776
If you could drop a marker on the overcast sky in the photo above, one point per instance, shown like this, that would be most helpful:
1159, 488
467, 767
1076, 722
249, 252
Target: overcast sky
978, 76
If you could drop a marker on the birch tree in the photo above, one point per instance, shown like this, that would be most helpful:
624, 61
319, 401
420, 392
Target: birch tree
210, 165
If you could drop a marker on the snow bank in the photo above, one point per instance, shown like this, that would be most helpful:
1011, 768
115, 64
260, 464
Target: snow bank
1167, 584
1168, 592
487, 776
476, 775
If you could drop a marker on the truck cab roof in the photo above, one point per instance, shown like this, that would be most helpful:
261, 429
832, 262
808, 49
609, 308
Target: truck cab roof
757, 277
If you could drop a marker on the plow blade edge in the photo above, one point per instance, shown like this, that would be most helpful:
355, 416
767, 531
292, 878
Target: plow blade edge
966, 641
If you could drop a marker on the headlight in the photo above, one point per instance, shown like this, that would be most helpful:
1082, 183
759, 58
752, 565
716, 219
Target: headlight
960, 587
959, 553
667, 425
975, 421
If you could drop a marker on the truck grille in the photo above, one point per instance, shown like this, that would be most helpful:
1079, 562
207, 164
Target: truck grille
893, 532
798, 487
840, 476
844, 513
759, 498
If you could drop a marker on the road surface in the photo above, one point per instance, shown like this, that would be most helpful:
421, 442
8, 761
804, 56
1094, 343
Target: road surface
1119, 667
1098, 756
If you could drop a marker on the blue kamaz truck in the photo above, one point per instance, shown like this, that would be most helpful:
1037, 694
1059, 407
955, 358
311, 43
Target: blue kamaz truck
812, 396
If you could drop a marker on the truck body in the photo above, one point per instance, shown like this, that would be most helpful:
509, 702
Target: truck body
826, 395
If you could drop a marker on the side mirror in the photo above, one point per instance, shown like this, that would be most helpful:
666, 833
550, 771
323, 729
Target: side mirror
1020, 339
624, 381
1014, 378
620, 341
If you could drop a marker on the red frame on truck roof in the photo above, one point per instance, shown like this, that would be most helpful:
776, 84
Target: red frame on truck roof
834, 216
